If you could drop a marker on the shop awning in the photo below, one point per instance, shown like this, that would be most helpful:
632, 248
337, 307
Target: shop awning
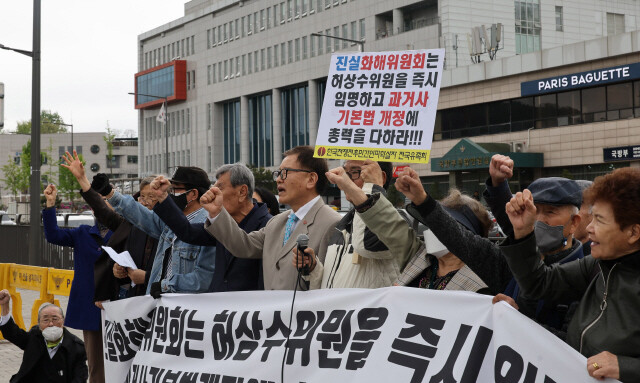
469, 155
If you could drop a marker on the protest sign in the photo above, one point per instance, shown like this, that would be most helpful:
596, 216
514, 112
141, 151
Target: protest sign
380, 106
394, 334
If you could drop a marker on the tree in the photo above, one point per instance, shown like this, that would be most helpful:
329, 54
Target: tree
17, 173
108, 139
49, 123
264, 178
52, 163
68, 185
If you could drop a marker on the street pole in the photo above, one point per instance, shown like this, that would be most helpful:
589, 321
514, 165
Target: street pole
359, 42
35, 229
164, 121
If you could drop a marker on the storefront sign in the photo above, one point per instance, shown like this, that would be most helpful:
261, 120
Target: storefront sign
621, 153
581, 80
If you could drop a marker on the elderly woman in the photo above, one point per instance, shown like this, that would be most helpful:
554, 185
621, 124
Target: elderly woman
606, 325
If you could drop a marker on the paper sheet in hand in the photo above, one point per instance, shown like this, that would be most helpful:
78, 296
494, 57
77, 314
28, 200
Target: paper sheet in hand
123, 259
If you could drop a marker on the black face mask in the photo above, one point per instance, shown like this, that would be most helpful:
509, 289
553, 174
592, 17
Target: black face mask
180, 200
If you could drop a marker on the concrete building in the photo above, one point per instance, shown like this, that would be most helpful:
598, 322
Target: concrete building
245, 80
91, 145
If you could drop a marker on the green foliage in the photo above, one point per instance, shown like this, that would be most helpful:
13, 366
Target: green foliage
16, 176
567, 174
68, 186
108, 139
264, 178
49, 123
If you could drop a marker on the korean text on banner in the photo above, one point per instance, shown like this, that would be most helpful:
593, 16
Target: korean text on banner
337, 335
380, 106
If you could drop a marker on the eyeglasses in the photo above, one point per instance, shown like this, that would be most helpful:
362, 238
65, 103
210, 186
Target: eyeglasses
173, 190
47, 320
353, 174
284, 172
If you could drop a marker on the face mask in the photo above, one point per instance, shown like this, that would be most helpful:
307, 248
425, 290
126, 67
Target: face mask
52, 333
434, 246
180, 200
549, 238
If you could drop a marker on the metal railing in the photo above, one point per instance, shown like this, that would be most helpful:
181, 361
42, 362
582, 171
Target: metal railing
15, 249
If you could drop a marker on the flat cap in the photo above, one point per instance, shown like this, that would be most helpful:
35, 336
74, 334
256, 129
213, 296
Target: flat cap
557, 191
192, 176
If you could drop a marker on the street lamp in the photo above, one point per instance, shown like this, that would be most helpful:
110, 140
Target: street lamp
359, 42
34, 188
164, 121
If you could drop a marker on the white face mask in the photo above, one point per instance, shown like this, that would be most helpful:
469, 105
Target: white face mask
52, 333
434, 246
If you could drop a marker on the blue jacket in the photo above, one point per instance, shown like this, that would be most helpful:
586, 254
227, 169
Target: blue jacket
232, 274
82, 313
192, 266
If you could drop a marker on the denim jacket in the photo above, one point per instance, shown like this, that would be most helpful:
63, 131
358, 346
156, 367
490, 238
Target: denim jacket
192, 265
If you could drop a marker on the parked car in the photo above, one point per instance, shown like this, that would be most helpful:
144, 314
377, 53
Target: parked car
75, 220
6, 219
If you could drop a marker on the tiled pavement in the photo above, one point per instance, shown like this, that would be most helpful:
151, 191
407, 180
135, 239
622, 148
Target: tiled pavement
10, 355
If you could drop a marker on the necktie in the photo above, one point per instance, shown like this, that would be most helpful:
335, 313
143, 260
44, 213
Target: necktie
289, 228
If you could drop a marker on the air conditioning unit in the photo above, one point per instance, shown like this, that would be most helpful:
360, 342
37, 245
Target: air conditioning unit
518, 146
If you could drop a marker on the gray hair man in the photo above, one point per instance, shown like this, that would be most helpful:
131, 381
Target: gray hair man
51, 352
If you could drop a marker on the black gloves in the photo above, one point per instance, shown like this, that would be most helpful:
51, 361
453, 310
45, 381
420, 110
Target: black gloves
101, 184
155, 290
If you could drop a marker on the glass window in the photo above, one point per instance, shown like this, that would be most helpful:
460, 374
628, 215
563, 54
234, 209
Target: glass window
290, 51
559, 19
283, 54
615, 23
619, 101
345, 35
231, 131
297, 42
268, 57
320, 40
294, 117
336, 42
546, 111
522, 112
304, 47
527, 18
499, 116
312, 45
275, 55
256, 68
250, 66
260, 131
569, 108
362, 29
594, 104
262, 59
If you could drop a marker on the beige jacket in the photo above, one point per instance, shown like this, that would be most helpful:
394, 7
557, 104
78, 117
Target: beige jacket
279, 274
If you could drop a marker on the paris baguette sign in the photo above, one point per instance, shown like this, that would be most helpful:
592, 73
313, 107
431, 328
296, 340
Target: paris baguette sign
581, 80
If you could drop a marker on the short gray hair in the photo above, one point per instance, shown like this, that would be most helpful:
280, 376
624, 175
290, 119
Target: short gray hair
239, 174
47, 304
146, 181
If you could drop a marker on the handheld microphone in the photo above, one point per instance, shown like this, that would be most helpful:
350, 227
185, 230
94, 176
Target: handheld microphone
303, 242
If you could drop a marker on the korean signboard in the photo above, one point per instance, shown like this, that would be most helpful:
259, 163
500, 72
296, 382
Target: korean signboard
381, 106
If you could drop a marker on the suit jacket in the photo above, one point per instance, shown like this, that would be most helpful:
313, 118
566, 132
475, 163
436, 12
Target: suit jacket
279, 274
70, 359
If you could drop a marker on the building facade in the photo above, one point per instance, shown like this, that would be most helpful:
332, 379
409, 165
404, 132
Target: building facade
92, 146
244, 80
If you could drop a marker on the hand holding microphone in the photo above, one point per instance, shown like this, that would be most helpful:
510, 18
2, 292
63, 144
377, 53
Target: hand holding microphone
304, 258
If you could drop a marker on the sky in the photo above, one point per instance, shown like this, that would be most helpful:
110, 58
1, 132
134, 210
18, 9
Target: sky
88, 62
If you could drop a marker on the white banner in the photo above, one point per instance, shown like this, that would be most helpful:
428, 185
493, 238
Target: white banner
380, 105
395, 334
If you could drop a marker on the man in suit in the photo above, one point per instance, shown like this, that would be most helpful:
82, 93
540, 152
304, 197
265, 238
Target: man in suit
51, 352
301, 179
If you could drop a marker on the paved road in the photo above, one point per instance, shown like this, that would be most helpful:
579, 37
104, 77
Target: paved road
10, 355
